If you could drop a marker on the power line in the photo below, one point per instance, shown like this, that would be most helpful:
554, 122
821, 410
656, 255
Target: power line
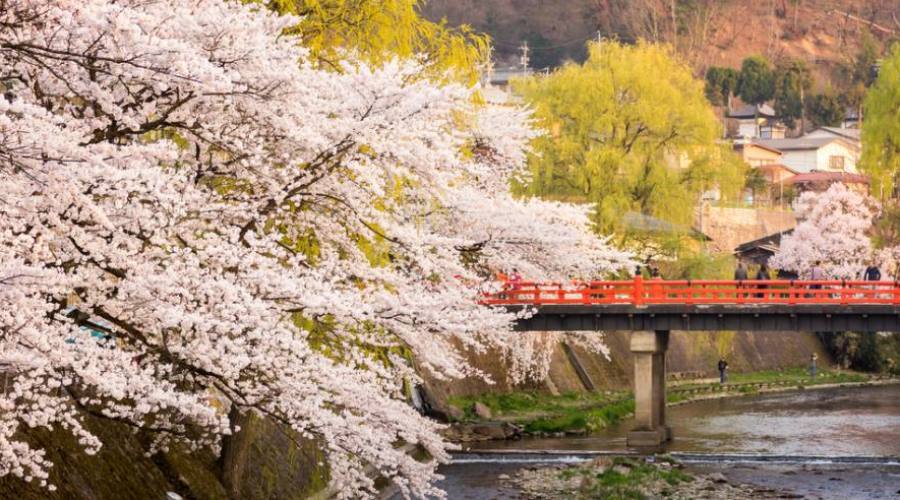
568, 43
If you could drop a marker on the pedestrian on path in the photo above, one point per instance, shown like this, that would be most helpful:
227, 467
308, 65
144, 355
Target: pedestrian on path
723, 370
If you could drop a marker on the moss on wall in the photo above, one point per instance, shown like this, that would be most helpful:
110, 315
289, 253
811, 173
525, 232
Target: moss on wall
273, 463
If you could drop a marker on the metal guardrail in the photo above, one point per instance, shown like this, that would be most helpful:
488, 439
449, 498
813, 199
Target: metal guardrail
686, 292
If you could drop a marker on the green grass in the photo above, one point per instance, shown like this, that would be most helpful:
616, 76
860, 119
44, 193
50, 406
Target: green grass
623, 480
795, 375
519, 405
587, 419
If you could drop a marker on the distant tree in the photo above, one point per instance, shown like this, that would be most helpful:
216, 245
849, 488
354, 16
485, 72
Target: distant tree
881, 128
721, 84
755, 181
624, 124
756, 84
793, 81
825, 110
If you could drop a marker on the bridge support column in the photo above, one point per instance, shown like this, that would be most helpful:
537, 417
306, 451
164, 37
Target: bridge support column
649, 350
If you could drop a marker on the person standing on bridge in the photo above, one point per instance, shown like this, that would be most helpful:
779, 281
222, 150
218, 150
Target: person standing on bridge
816, 274
723, 370
872, 273
762, 275
740, 274
515, 279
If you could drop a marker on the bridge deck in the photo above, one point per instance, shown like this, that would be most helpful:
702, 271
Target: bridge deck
705, 305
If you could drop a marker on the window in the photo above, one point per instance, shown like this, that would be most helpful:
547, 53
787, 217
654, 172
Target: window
836, 163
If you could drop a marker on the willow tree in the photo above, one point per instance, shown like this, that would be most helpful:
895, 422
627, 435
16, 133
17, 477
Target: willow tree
376, 31
881, 128
629, 130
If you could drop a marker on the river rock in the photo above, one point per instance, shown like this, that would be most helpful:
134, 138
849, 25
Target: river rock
717, 477
481, 411
455, 413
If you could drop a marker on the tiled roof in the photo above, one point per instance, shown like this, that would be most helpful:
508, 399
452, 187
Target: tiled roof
799, 143
773, 166
843, 177
849, 133
749, 111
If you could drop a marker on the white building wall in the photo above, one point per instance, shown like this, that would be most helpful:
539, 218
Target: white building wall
801, 161
746, 128
825, 153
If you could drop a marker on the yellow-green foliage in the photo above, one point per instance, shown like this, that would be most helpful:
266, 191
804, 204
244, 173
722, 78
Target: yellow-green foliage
630, 129
881, 128
379, 30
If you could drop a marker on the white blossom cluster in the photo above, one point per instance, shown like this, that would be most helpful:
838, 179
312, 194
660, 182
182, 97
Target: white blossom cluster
832, 229
176, 171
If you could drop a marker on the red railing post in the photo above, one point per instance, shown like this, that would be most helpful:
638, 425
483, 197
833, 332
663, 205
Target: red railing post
637, 292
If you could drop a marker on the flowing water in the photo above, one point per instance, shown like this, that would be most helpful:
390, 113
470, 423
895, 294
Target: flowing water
831, 443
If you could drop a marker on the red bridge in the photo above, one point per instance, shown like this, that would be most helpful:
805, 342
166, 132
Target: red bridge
644, 292
652, 308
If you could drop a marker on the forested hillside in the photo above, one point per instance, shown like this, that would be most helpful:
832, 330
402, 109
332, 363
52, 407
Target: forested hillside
827, 34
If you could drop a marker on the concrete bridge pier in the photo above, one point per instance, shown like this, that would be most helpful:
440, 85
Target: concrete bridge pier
649, 348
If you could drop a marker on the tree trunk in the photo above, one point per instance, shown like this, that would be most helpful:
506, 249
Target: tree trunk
674, 26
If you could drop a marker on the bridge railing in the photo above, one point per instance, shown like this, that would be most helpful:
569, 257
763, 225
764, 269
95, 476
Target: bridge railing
639, 292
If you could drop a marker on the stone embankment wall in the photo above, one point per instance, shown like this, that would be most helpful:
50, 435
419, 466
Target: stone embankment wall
730, 227
693, 353
262, 461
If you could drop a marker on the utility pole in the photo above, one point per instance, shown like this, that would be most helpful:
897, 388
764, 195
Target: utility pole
524, 58
489, 66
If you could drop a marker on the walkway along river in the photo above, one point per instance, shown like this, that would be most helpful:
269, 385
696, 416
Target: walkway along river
832, 443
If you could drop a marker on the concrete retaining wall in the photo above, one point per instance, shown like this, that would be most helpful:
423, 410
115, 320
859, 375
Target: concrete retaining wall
688, 352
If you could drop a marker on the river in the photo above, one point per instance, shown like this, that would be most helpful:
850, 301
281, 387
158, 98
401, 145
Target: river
831, 443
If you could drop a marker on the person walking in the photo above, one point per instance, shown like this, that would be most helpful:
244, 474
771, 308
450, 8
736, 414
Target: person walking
816, 274
812, 365
515, 279
740, 274
762, 274
723, 369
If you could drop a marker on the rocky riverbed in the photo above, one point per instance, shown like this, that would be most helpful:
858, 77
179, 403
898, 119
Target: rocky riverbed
632, 478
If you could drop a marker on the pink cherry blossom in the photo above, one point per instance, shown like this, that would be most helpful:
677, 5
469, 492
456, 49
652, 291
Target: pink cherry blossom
177, 177
832, 229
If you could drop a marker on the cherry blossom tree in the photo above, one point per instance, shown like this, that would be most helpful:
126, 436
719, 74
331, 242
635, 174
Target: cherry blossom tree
177, 176
833, 230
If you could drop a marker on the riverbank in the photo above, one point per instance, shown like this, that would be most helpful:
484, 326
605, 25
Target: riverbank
516, 414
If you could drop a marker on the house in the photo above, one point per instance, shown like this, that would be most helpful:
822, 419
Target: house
821, 181
851, 118
757, 121
776, 173
757, 154
760, 250
850, 134
816, 154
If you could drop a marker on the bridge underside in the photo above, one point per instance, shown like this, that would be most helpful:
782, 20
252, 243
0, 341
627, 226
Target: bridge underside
651, 324
769, 317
